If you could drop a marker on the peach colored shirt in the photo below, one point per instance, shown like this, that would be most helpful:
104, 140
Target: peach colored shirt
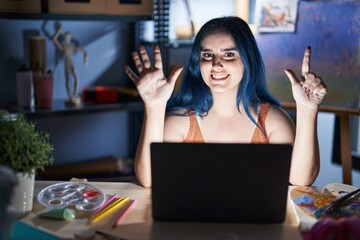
195, 135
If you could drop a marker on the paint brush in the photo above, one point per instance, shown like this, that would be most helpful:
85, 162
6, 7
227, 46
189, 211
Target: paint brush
321, 211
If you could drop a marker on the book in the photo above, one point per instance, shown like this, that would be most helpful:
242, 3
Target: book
22, 231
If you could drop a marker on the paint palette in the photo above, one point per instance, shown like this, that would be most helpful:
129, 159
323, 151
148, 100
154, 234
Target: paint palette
81, 196
309, 199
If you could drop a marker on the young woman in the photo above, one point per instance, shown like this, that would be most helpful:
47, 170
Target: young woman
223, 98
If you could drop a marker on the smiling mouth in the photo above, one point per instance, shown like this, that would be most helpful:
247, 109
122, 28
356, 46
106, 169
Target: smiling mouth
219, 76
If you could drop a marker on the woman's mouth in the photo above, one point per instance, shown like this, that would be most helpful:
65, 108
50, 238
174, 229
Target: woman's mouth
219, 76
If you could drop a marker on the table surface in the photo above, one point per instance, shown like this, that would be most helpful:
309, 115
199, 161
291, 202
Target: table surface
138, 222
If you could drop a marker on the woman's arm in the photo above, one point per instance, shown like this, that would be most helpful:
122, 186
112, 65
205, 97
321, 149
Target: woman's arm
308, 94
155, 90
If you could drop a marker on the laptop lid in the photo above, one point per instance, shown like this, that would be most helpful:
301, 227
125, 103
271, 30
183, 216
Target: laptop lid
220, 182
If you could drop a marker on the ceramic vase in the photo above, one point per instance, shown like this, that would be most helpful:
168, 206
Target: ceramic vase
44, 90
24, 193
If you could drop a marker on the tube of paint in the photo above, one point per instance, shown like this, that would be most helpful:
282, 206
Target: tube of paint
58, 213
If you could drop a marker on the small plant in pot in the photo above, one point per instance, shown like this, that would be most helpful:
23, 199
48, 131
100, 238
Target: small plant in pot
25, 150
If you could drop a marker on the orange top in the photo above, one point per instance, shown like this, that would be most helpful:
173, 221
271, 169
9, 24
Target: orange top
195, 135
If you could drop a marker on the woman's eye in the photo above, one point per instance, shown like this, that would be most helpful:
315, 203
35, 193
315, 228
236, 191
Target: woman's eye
207, 56
228, 55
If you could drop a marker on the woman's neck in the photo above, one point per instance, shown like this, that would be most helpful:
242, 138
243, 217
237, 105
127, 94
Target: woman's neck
225, 104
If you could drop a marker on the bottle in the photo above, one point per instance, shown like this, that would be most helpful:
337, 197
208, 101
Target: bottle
25, 87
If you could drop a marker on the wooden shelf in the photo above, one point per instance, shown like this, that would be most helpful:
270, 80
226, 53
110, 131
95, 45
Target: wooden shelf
60, 109
87, 17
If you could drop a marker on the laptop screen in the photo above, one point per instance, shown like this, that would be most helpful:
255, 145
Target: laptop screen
220, 182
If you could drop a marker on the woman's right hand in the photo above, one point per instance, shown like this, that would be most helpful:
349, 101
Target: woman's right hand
150, 82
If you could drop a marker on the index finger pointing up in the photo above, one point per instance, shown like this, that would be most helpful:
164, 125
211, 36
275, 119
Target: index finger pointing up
305, 68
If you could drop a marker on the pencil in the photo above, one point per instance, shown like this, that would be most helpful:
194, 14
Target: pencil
105, 204
108, 209
123, 213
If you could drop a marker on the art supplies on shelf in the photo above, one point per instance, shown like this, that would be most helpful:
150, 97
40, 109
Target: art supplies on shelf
312, 204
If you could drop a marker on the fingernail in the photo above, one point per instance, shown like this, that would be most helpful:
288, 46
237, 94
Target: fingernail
304, 89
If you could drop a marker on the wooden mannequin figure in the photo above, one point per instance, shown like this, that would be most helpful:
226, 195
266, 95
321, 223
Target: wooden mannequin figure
69, 48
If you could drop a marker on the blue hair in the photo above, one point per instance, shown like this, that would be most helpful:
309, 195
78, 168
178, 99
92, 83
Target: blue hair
195, 95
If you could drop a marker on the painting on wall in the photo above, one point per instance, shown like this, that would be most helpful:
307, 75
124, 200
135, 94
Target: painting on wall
276, 16
332, 29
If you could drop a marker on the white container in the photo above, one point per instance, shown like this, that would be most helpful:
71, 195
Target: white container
25, 88
24, 193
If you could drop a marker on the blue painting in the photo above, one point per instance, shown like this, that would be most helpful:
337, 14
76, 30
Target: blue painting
332, 29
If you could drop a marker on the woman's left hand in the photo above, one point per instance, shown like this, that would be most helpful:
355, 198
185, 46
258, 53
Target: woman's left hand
310, 90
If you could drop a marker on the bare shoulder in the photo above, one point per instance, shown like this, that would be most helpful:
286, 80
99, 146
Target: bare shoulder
278, 114
176, 127
280, 126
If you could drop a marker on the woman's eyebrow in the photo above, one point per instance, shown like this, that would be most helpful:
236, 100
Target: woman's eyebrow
222, 50
228, 49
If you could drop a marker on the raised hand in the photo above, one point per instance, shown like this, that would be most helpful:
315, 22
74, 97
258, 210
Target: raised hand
310, 90
151, 83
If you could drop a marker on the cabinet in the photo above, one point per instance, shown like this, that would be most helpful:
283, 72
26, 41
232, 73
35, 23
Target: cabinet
105, 7
89, 131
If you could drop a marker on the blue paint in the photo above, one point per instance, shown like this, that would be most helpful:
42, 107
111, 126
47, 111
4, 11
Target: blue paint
303, 200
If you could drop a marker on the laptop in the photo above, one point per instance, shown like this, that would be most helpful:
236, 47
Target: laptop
220, 182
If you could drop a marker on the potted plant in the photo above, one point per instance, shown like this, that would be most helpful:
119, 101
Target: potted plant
25, 150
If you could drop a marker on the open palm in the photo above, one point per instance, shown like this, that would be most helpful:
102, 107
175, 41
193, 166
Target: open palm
151, 83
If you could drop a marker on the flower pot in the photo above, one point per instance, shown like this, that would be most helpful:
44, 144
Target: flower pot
24, 193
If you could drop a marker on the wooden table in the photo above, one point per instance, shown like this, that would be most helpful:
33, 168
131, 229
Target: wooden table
138, 223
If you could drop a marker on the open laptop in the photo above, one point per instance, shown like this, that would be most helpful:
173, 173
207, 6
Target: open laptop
220, 182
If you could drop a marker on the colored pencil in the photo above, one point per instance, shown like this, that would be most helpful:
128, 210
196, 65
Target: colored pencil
108, 209
104, 205
124, 212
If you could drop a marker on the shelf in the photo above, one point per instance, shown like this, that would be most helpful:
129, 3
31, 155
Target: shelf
175, 43
87, 17
59, 109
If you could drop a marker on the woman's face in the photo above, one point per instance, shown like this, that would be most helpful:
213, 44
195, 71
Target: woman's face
220, 63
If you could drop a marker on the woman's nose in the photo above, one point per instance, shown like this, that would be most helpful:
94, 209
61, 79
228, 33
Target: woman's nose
217, 61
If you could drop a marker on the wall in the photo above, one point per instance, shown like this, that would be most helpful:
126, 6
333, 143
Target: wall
75, 137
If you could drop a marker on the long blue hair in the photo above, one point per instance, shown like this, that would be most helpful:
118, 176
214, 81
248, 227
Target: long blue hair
195, 95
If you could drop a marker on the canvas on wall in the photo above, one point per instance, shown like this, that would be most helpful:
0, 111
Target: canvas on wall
332, 29
276, 16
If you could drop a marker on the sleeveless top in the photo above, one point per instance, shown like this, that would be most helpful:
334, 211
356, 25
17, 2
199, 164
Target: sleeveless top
195, 136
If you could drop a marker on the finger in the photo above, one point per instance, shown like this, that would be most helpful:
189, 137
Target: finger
305, 68
320, 89
175, 74
131, 74
144, 57
137, 61
291, 75
313, 83
309, 78
157, 57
